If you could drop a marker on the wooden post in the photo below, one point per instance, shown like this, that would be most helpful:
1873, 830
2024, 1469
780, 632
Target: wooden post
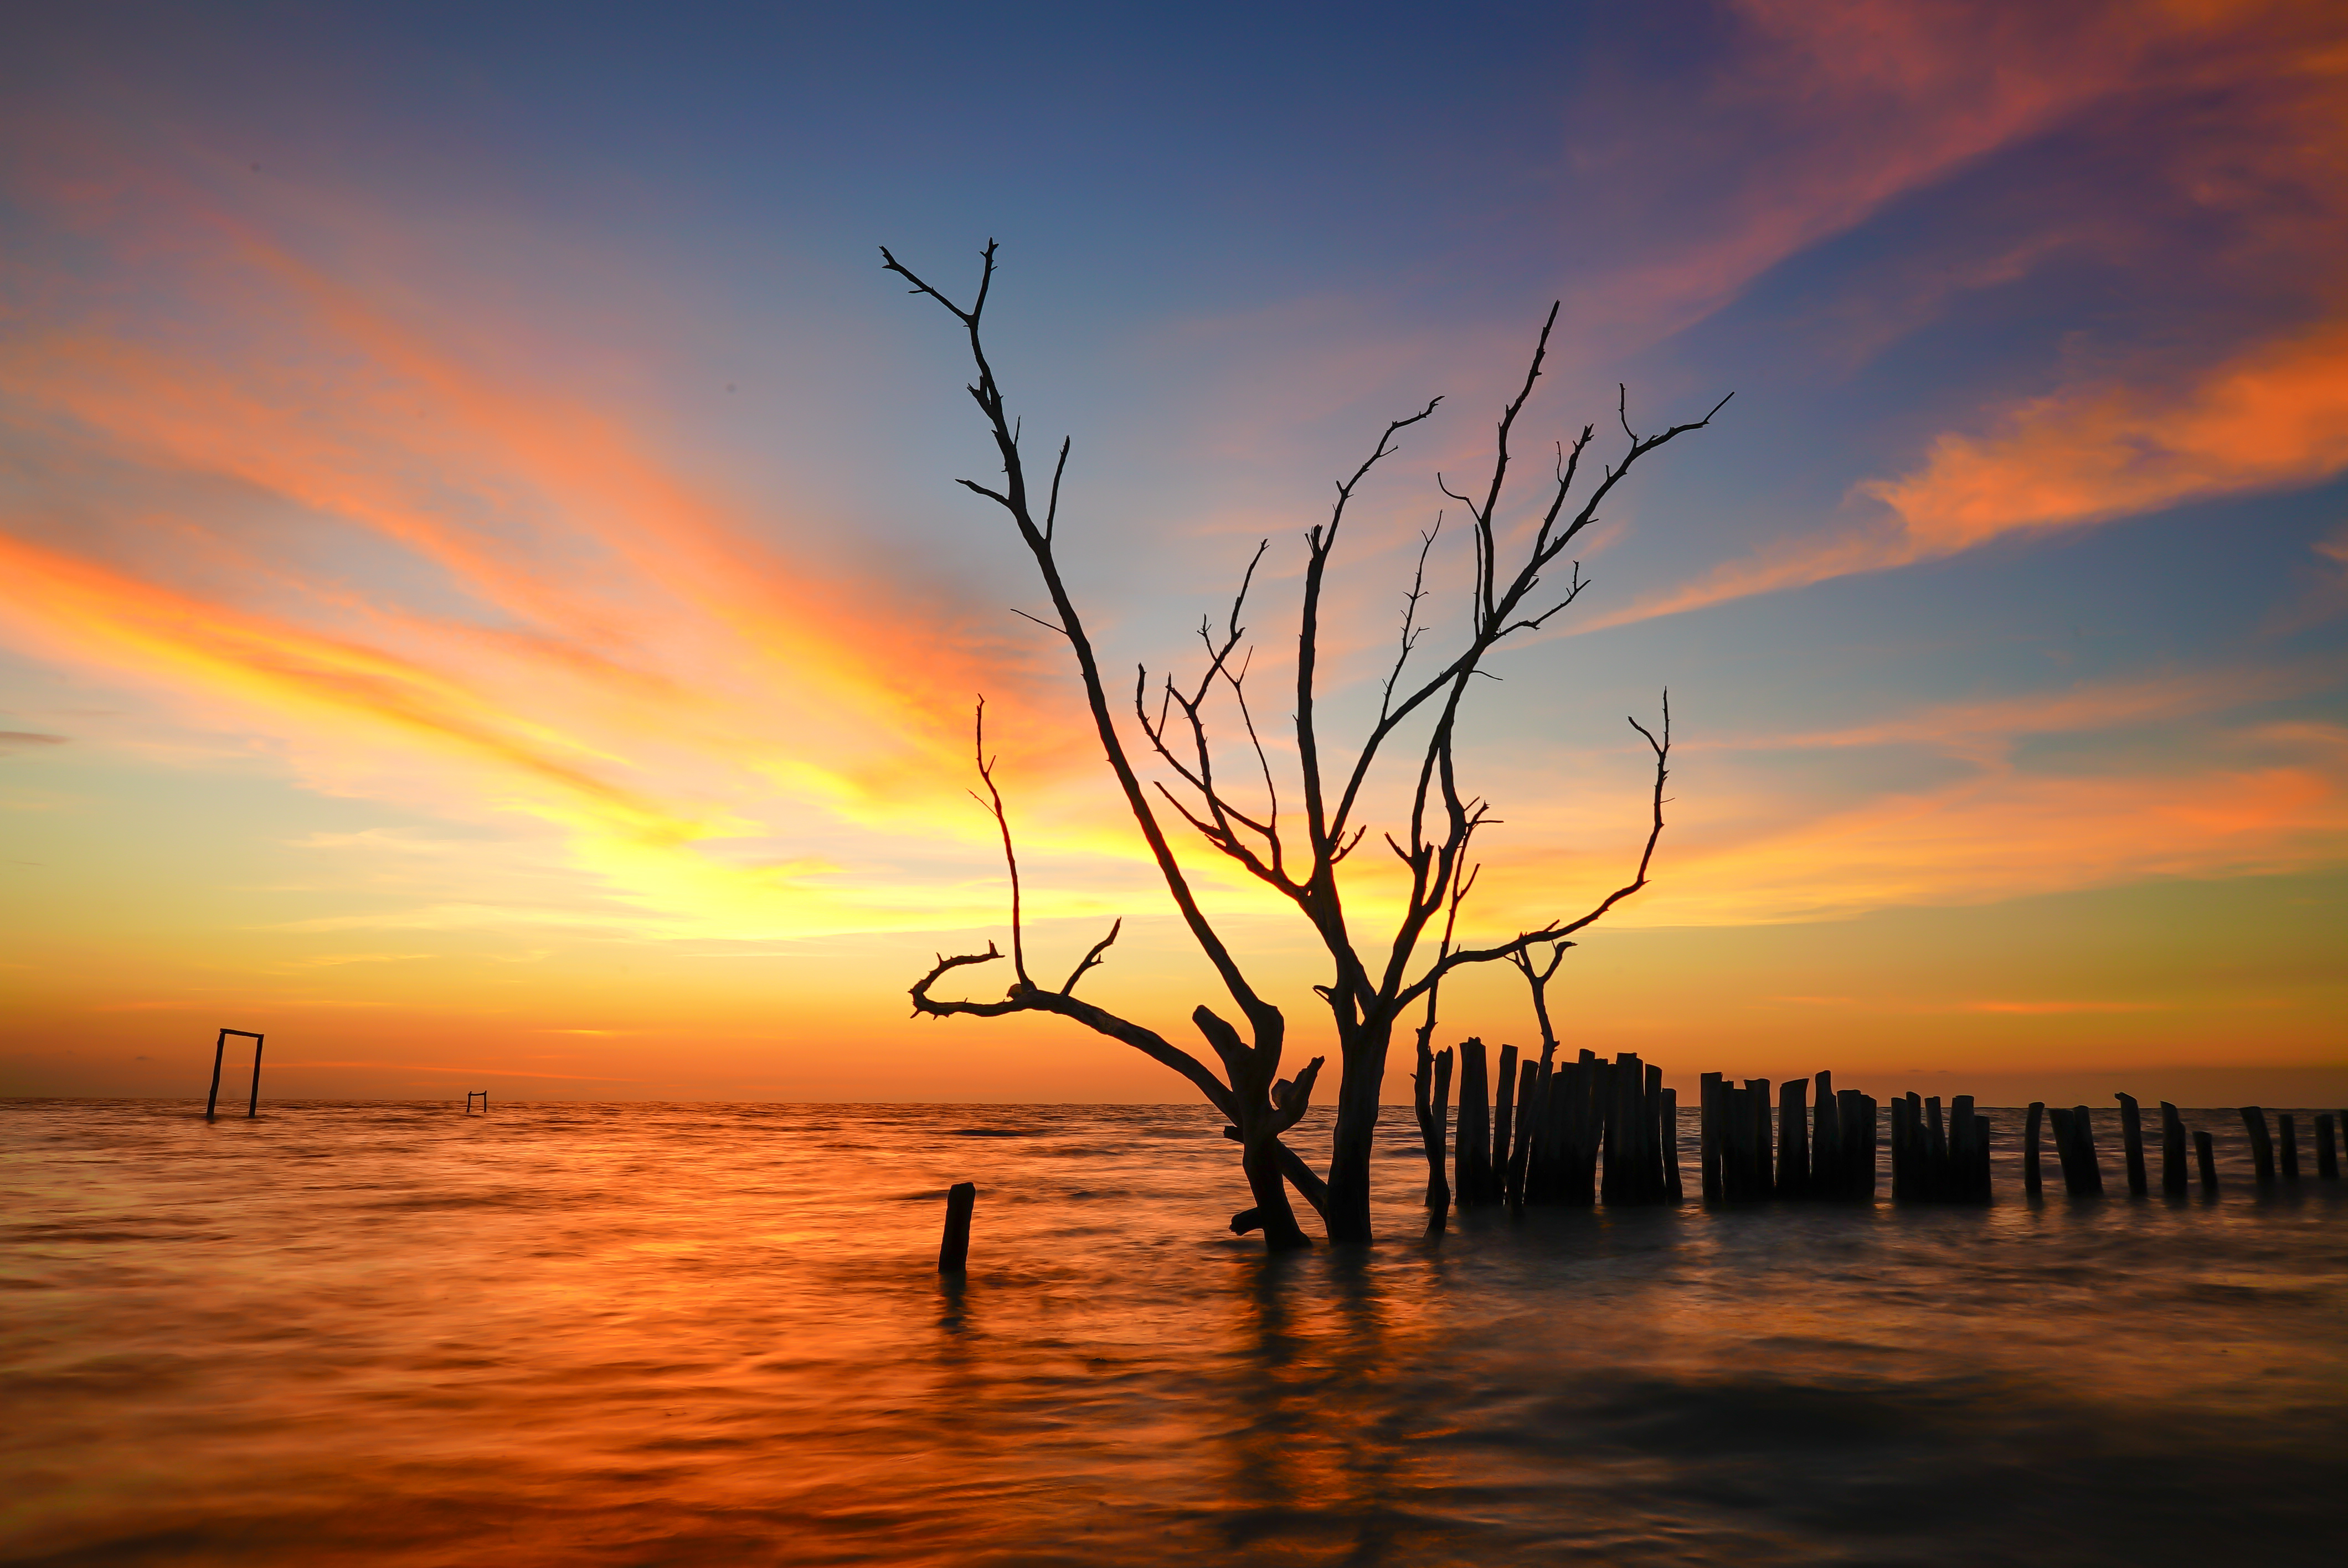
1936, 1151
1652, 1138
1794, 1138
1708, 1129
2327, 1159
2082, 1141
1441, 1203
253, 1108
1826, 1140
1758, 1088
2254, 1122
2288, 1136
1472, 1143
1964, 1133
954, 1250
2172, 1149
1982, 1185
1520, 1151
2030, 1183
1903, 1167
2132, 1143
1854, 1155
1625, 1122
1504, 1121
1866, 1133
2205, 1151
220, 1049
1670, 1118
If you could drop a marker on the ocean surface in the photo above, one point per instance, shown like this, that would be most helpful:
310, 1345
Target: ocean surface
686, 1334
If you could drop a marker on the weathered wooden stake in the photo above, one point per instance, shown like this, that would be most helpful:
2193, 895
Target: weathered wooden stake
1708, 1129
1670, 1118
2254, 1122
1504, 1123
2082, 1141
2205, 1151
2132, 1143
2030, 1183
1794, 1138
2327, 1159
954, 1250
1758, 1088
2172, 1149
2288, 1136
1472, 1141
1439, 1186
1520, 1154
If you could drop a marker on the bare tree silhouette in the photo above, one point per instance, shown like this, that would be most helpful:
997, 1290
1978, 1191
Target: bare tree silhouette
1376, 982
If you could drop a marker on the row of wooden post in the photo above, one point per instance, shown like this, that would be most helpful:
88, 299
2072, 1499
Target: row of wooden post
2074, 1149
1825, 1153
1571, 1133
1591, 1131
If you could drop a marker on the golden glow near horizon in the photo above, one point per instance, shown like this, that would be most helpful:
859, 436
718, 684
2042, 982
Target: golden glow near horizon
408, 649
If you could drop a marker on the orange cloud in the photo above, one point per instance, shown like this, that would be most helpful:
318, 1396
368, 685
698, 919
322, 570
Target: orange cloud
2274, 418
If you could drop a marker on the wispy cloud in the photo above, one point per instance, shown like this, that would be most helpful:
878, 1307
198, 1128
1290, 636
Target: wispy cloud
2273, 417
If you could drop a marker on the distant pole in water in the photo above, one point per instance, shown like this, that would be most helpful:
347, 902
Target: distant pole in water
220, 1050
954, 1250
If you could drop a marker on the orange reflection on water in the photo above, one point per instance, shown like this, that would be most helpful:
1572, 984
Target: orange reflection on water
392, 1333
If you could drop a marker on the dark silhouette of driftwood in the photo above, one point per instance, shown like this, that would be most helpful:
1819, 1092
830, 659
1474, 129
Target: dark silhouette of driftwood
1376, 981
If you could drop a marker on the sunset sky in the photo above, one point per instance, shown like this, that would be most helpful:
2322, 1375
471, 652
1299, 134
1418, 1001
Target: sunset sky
483, 598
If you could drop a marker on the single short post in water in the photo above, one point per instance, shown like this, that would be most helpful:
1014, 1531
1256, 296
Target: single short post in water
220, 1049
2205, 1153
954, 1250
2327, 1159
2254, 1122
2132, 1143
2172, 1149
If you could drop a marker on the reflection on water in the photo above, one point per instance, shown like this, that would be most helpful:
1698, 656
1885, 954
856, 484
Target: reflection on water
688, 1333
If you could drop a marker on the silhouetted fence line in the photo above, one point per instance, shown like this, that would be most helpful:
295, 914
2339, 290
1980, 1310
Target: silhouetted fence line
1571, 1134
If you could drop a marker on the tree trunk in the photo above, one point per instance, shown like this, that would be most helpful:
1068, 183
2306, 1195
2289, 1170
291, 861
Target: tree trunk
1364, 1052
1260, 1157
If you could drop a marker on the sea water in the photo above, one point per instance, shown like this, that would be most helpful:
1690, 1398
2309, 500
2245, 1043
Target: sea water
686, 1334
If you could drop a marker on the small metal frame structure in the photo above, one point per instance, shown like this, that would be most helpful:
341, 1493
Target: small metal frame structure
220, 1049
480, 1095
